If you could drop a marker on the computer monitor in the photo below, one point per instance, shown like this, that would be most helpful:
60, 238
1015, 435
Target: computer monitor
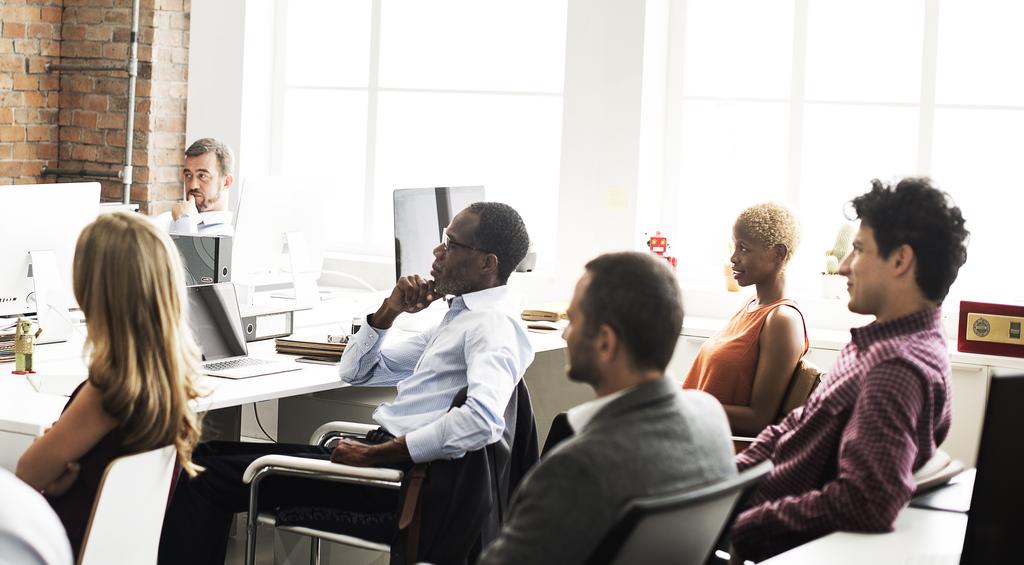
42, 221
992, 523
421, 214
270, 208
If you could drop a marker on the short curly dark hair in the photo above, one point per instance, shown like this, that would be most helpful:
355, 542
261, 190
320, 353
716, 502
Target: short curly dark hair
917, 214
501, 231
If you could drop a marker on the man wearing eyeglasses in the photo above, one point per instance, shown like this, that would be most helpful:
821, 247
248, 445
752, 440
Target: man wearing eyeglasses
206, 176
480, 345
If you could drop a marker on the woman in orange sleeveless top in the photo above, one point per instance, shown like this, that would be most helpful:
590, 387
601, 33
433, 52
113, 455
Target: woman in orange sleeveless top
748, 364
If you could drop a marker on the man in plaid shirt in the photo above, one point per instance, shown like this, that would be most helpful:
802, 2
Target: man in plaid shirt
845, 460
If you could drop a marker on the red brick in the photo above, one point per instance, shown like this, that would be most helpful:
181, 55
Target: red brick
41, 31
117, 86
6, 151
34, 99
117, 17
5, 115
20, 112
85, 49
12, 133
110, 121
112, 155
83, 119
12, 64
47, 151
6, 46
84, 152
49, 82
52, 15
30, 170
24, 151
26, 46
9, 168
40, 133
70, 133
89, 16
94, 102
116, 51
99, 33
92, 136
37, 65
49, 48
12, 99
24, 14
14, 29
115, 138
27, 82
81, 84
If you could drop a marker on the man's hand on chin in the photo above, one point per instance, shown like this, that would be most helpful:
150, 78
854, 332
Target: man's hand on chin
359, 454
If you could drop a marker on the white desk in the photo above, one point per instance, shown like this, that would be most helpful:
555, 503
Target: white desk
25, 413
920, 537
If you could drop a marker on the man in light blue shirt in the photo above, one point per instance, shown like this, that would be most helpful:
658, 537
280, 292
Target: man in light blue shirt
481, 345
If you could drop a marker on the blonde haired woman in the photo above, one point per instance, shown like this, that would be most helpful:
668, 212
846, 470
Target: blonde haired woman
142, 360
748, 364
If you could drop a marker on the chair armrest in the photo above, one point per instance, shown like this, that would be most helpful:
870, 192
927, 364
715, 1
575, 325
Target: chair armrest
319, 467
350, 429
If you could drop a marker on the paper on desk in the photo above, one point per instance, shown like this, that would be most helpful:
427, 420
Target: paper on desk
58, 377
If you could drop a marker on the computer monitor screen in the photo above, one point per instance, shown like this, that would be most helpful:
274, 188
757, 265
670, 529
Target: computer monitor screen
269, 207
41, 217
993, 525
421, 214
215, 321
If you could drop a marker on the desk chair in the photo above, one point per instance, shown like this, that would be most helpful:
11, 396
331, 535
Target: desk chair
134, 490
805, 380
678, 527
444, 535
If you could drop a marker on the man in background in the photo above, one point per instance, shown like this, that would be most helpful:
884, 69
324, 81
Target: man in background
207, 177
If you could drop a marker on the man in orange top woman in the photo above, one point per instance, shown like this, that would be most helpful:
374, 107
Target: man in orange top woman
748, 365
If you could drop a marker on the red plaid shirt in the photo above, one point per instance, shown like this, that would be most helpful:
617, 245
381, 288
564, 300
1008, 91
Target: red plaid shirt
845, 460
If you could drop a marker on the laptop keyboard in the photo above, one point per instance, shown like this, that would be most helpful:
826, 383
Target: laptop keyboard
234, 363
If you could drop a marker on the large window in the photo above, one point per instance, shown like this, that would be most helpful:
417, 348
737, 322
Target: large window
805, 101
383, 94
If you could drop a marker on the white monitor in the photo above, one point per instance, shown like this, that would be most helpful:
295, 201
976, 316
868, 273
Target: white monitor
271, 211
421, 214
41, 221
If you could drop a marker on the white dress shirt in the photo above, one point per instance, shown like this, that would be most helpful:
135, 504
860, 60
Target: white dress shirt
481, 344
30, 532
206, 223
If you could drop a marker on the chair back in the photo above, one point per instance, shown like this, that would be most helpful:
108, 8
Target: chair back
680, 527
129, 510
805, 379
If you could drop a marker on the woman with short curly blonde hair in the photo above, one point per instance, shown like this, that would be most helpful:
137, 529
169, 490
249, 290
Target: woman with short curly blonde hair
142, 362
749, 364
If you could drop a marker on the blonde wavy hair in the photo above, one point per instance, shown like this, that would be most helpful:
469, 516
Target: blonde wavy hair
773, 224
129, 282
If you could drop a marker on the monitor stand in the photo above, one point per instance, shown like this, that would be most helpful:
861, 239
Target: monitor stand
51, 304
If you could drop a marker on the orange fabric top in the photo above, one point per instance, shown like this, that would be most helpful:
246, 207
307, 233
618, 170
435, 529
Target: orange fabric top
726, 362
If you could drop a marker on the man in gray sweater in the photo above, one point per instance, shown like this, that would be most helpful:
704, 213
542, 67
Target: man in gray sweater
642, 436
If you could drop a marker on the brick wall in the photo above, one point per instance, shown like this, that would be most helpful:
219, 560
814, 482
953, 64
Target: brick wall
76, 119
29, 96
93, 104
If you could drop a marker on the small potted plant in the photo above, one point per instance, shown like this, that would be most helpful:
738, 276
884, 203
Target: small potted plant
833, 285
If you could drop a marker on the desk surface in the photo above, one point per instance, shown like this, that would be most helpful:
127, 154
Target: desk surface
23, 410
920, 537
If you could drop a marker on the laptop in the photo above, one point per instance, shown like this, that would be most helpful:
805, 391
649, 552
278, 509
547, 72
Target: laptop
217, 326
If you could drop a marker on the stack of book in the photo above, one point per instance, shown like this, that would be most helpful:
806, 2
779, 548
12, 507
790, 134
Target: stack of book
321, 347
6, 347
551, 312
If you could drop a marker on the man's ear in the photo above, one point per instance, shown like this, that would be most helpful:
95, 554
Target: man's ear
489, 264
229, 181
606, 344
903, 260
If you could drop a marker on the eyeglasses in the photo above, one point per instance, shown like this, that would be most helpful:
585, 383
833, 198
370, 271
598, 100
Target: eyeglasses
447, 242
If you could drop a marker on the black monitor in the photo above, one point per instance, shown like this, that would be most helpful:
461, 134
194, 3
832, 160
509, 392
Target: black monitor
993, 526
421, 215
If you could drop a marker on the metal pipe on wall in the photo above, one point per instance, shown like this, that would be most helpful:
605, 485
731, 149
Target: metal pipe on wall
132, 68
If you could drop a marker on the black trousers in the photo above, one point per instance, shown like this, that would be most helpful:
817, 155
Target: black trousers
199, 516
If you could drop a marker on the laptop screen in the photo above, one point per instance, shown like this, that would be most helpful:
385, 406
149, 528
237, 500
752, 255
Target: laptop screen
216, 323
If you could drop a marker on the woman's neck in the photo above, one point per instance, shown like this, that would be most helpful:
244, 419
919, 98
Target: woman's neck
771, 290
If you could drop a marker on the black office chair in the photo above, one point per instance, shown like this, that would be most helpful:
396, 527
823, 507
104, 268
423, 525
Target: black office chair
675, 528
